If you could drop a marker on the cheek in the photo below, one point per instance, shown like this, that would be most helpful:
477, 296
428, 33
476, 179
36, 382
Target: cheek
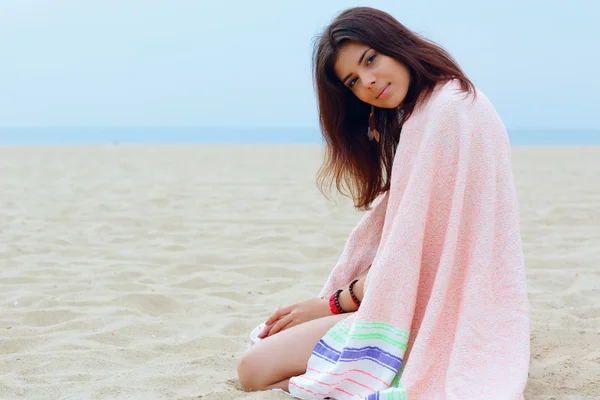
362, 94
403, 73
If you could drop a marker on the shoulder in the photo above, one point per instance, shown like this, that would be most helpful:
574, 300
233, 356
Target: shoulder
454, 115
449, 96
450, 104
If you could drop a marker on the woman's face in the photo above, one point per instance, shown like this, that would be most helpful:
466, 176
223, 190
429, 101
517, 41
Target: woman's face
373, 77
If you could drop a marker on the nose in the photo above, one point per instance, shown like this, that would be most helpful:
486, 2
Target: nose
368, 80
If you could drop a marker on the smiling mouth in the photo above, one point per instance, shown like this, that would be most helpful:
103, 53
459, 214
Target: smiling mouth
383, 91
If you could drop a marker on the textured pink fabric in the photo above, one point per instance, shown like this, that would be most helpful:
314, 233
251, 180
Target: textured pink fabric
446, 254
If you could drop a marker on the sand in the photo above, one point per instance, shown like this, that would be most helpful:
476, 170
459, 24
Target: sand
137, 272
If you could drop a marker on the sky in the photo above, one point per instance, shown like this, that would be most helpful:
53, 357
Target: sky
247, 64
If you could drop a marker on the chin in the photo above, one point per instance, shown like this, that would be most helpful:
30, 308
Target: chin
397, 102
392, 103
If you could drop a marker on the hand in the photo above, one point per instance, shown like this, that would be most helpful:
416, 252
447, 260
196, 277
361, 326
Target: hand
293, 315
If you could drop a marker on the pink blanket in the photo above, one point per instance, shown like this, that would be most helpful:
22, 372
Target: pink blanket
445, 310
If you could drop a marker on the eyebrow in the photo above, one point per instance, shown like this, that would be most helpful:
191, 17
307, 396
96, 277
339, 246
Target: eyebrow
359, 61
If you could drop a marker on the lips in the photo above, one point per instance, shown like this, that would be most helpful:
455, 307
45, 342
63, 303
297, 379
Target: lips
383, 91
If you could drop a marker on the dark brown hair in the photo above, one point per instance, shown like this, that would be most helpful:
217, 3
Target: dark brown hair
364, 166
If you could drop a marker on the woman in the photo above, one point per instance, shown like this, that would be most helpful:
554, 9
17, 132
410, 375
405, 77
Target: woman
428, 299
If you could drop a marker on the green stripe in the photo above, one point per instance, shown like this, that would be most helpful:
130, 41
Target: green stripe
396, 381
336, 337
372, 326
342, 327
340, 333
378, 336
382, 326
364, 331
394, 394
375, 325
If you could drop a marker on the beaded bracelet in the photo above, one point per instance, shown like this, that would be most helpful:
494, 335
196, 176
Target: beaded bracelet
334, 303
354, 298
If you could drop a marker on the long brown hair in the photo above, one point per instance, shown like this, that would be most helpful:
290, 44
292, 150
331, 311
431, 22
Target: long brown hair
352, 160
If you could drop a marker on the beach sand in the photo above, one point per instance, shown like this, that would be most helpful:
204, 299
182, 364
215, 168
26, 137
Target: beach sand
137, 272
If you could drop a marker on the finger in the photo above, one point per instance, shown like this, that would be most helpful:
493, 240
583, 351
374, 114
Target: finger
277, 315
279, 325
265, 331
293, 323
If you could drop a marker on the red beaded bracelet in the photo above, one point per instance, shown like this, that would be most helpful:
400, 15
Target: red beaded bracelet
334, 303
354, 298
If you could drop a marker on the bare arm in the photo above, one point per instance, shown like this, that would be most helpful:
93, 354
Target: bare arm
310, 309
346, 300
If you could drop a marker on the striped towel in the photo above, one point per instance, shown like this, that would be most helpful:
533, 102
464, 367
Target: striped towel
445, 311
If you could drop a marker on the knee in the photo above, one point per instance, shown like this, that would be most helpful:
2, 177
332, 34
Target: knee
249, 373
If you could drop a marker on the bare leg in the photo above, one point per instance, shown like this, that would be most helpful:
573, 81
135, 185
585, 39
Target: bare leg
284, 384
270, 363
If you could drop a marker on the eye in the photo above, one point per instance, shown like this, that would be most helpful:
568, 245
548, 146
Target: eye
352, 82
370, 59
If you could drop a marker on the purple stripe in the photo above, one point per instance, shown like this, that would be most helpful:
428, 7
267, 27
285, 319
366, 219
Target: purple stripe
379, 349
357, 349
328, 347
373, 353
326, 352
350, 354
373, 396
325, 355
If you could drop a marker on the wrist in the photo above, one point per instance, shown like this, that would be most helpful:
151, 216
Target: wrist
359, 289
346, 301
325, 308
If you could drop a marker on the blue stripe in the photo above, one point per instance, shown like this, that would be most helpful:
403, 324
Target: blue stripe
394, 360
328, 347
376, 353
373, 353
325, 352
323, 358
375, 348
373, 396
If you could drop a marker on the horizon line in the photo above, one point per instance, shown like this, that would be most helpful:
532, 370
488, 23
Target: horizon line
241, 127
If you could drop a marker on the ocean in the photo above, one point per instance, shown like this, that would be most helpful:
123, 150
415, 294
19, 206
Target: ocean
282, 135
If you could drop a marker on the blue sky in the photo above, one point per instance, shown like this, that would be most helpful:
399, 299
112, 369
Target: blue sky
184, 63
